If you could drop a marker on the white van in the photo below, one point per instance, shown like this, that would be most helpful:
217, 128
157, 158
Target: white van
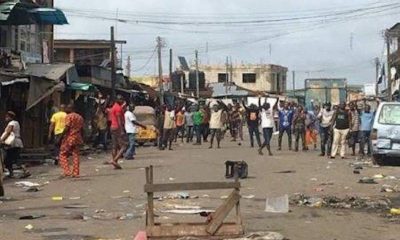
385, 135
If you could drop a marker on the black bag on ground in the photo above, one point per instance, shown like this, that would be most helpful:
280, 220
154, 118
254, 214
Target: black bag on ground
232, 166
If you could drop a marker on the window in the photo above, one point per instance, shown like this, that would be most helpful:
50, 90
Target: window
390, 114
249, 77
222, 77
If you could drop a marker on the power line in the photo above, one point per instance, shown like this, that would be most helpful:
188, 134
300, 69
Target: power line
147, 62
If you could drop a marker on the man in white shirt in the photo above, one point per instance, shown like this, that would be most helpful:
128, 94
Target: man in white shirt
130, 129
325, 117
267, 125
216, 122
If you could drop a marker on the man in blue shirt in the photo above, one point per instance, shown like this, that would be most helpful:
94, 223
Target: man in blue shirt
285, 125
366, 118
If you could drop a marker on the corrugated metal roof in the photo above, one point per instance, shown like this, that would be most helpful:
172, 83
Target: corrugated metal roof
221, 90
50, 71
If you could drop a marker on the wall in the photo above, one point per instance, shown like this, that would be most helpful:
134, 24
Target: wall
268, 77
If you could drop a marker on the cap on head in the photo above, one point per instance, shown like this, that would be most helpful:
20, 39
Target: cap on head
10, 114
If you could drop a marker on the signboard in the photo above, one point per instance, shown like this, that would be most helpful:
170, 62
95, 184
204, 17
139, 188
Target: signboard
370, 89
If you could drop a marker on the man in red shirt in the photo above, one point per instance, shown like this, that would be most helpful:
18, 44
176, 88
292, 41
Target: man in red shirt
71, 139
117, 128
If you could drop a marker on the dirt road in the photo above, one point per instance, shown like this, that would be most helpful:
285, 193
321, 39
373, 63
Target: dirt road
109, 204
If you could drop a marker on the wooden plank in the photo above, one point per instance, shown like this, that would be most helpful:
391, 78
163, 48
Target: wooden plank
171, 187
150, 198
237, 208
194, 230
222, 212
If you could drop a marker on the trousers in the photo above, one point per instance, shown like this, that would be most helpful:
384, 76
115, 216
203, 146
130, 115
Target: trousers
339, 138
69, 148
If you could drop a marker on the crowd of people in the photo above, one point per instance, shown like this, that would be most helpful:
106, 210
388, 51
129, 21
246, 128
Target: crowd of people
209, 122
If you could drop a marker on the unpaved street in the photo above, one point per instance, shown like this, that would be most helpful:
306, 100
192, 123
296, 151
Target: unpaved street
109, 204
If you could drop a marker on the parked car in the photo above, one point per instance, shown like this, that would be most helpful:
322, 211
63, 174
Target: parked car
385, 135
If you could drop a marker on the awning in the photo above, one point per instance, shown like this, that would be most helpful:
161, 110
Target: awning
40, 88
16, 12
51, 16
53, 71
80, 86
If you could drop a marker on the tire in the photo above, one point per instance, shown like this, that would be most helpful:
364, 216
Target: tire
378, 159
141, 144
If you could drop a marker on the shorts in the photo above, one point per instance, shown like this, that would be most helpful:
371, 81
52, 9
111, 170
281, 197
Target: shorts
118, 139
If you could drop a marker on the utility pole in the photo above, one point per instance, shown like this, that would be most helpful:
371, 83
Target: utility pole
128, 67
294, 83
160, 71
197, 74
226, 75
389, 74
113, 73
377, 67
170, 66
231, 69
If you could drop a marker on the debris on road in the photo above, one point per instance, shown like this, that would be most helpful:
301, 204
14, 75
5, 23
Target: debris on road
378, 176
395, 211
327, 184
277, 204
27, 184
378, 203
74, 198
188, 211
389, 188
261, 236
367, 180
29, 227
74, 206
286, 171
57, 198
31, 217
248, 196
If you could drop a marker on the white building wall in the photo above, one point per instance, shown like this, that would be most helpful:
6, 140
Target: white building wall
266, 76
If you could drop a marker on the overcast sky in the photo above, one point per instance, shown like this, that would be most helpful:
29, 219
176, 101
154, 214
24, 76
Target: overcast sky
346, 48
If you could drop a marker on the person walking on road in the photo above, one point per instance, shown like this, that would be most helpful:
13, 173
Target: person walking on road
216, 123
253, 120
180, 125
169, 127
354, 128
299, 127
12, 142
130, 129
101, 125
197, 121
189, 124
205, 125
234, 122
341, 122
56, 128
326, 116
267, 125
117, 128
71, 141
285, 125
366, 118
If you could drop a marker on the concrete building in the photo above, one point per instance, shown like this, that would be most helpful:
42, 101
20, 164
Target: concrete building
256, 77
85, 52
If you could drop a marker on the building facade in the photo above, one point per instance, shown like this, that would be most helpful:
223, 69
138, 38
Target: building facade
256, 77
85, 52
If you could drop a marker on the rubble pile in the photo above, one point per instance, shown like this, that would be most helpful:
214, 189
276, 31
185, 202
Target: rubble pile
349, 202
